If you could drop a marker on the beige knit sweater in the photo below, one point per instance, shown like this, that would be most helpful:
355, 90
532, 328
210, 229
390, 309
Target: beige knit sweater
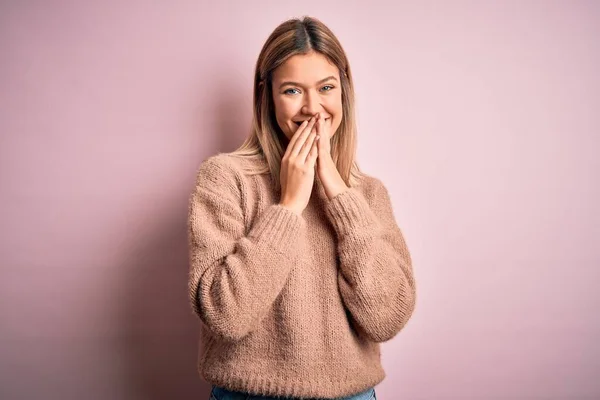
294, 305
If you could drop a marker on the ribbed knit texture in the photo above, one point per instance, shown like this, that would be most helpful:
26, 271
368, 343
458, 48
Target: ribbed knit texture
294, 305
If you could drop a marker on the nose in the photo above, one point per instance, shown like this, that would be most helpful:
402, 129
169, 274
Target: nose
311, 104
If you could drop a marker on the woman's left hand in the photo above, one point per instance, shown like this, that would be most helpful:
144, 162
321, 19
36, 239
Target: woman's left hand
326, 168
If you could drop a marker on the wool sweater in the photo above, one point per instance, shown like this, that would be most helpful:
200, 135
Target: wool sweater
294, 305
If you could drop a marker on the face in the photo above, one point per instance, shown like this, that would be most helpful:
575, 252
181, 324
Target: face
303, 86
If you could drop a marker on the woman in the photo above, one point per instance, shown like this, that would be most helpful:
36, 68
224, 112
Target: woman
298, 270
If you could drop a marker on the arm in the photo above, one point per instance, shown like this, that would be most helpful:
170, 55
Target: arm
375, 277
235, 277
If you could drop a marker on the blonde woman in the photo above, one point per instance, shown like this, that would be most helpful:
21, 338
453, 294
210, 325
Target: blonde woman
298, 270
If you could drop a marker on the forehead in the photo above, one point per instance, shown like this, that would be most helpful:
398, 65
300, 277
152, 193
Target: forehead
307, 68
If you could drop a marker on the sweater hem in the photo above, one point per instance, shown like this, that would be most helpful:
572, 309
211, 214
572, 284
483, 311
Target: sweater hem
260, 385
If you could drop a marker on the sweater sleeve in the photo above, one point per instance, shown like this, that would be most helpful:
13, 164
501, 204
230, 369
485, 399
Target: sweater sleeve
375, 277
234, 275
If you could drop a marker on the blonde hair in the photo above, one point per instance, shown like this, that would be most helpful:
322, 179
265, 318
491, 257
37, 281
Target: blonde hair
292, 37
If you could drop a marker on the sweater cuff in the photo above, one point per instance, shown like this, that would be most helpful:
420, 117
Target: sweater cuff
279, 227
348, 211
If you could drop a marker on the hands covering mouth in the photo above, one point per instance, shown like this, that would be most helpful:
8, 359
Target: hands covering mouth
319, 133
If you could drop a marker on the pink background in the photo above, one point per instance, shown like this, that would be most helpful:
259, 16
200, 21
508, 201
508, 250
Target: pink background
481, 117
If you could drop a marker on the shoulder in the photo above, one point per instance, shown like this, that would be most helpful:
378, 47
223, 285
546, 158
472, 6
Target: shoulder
231, 163
219, 172
372, 188
214, 164
378, 197
227, 171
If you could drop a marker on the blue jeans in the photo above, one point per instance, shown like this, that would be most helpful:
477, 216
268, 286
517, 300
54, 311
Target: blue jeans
220, 393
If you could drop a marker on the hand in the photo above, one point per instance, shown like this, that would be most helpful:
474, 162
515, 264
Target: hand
298, 168
326, 168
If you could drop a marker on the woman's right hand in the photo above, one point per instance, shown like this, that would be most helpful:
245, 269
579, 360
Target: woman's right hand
298, 167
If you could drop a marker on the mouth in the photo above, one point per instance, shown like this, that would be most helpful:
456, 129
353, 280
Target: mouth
298, 123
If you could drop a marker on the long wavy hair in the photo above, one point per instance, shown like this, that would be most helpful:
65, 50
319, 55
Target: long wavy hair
266, 140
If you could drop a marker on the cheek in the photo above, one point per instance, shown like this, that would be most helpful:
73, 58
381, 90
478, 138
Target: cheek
336, 107
281, 114
339, 113
337, 121
279, 110
286, 108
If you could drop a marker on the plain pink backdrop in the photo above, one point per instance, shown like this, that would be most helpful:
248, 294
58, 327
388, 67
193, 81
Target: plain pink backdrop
481, 117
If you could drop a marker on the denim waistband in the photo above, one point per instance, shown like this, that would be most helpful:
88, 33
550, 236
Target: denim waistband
221, 393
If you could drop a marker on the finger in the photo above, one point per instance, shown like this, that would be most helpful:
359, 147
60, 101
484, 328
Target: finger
326, 129
320, 124
314, 153
297, 134
325, 133
297, 146
321, 143
304, 127
308, 145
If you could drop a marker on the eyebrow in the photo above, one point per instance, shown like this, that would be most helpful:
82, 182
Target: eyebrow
297, 84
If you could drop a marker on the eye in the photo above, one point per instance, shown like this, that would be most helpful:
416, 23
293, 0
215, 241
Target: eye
331, 87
